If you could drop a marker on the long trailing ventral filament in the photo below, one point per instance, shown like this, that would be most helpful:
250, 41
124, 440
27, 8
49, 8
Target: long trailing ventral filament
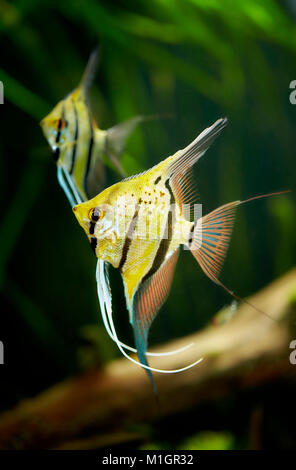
104, 297
113, 334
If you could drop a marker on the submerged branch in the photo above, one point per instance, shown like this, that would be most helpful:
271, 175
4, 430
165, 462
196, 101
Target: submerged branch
97, 408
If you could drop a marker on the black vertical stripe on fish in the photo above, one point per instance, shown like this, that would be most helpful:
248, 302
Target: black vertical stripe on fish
128, 238
75, 139
167, 185
60, 123
165, 242
92, 226
89, 155
93, 244
163, 247
56, 153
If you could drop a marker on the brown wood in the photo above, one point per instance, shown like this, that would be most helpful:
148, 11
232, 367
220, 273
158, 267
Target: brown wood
96, 408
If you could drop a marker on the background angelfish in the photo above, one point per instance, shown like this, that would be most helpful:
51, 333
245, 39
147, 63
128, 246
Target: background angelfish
79, 145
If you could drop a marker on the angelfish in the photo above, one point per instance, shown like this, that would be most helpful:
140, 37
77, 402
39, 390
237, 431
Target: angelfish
138, 226
78, 144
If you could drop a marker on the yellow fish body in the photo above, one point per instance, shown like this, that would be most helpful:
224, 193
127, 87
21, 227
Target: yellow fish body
138, 225
79, 145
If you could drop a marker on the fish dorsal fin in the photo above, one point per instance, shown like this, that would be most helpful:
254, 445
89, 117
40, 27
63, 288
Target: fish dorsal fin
210, 239
178, 166
185, 159
147, 301
185, 192
90, 70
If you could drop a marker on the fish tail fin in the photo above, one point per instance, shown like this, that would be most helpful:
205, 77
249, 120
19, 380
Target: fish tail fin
90, 70
209, 239
117, 137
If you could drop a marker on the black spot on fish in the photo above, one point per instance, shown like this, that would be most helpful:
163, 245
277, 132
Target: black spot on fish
157, 180
190, 239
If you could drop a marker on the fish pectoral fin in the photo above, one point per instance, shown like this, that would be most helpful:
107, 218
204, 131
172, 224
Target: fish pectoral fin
209, 239
184, 159
147, 301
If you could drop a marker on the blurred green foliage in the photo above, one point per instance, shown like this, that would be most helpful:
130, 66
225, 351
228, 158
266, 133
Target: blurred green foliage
197, 60
208, 441
200, 441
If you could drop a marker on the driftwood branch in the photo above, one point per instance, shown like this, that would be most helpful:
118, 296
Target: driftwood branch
96, 408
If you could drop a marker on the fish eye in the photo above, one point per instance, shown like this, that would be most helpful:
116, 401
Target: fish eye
96, 214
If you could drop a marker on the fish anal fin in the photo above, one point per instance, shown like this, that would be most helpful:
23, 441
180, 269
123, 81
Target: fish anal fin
210, 239
147, 301
152, 293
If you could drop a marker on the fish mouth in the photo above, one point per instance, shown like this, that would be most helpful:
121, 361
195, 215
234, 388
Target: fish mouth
83, 221
75, 210
45, 128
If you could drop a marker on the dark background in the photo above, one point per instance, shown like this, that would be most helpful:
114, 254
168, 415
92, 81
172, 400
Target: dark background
197, 61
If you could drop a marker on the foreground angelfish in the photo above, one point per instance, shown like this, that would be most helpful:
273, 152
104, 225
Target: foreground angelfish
138, 225
79, 145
